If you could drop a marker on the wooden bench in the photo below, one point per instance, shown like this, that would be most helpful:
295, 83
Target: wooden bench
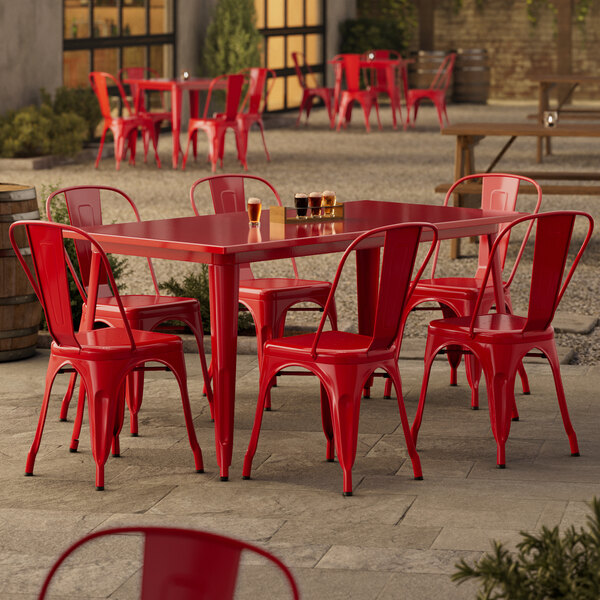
469, 193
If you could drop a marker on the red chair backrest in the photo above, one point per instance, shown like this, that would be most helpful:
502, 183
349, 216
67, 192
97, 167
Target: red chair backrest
298, 67
258, 90
234, 87
442, 78
553, 234
500, 191
350, 64
84, 206
228, 195
381, 78
396, 281
98, 81
49, 277
183, 563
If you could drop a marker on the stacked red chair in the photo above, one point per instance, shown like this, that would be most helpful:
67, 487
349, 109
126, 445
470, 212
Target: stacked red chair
311, 91
102, 357
216, 126
123, 128
142, 311
345, 361
268, 299
500, 341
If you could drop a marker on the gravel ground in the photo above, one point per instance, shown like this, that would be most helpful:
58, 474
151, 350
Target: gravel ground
397, 166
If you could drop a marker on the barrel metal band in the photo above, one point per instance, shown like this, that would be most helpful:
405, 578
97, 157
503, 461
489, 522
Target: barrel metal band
13, 333
26, 193
18, 299
26, 216
4, 252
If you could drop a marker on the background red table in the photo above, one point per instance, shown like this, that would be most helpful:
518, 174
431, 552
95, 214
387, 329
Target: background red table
224, 241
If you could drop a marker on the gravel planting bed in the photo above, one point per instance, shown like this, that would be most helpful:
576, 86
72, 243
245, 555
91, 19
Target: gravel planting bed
397, 166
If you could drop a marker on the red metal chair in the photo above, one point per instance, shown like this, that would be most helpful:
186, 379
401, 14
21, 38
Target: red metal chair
123, 128
102, 357
267, 299
183, 563
500, 341
436, 92
347, 68
84, 204
139, 102
216, 126
457, 296
260, 84
310, 91
382, 83
344, 361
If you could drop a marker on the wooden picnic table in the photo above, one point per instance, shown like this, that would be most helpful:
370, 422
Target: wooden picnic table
468, 135
546, 83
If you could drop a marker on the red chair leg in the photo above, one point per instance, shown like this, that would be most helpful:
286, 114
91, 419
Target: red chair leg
327, 424
524, 379
473, 369
78, 419
119, 418
64, 407
429, 357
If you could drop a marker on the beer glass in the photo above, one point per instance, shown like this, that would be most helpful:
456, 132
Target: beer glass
328, 202
301, 204
254, 210
314, 202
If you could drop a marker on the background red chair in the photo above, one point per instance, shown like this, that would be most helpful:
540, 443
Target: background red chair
84, 204
139, 101
457, 296
436, 92
500, 341
260, 84
102, 357
382, 83
124, 129
267, 298
344, 361
310, 90
347, 68
216, 127
182, 563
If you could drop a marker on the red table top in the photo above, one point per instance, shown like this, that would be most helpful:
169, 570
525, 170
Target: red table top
227, 238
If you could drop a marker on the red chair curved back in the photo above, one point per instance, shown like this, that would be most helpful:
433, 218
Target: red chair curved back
553, 233
443, 76
303, 70
258, 89
499, 191
183, 563
228, 195
396, 280
84, 206
98, 81
49, 276
234, 87
350, 71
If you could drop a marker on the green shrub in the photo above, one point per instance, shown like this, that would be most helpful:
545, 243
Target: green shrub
82, 101
60, 215
195, 285
37, 131
549, 564
232, 40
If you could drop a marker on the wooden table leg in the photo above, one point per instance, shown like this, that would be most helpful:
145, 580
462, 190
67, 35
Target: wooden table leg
464, 164
224, 292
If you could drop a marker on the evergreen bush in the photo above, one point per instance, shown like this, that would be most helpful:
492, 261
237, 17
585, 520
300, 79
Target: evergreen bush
232, 40
82, 101
547, 565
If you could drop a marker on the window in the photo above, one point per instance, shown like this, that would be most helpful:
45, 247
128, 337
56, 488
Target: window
106, 35
291, 26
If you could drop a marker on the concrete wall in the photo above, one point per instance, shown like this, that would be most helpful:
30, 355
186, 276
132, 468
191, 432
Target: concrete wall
192, 20
517, 50
31, 51
336, 11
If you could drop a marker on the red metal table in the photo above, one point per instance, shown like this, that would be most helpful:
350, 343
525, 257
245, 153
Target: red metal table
176, 88
224, 241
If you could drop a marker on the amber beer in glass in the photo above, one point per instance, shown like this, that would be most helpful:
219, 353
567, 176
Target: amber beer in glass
254, 210
328, 202
314, 201
301, 205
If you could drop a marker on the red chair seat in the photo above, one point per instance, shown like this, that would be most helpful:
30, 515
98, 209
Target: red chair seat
332, 344
310, 91
282, 286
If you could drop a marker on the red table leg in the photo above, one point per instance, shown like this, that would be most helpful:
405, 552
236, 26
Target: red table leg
224, 292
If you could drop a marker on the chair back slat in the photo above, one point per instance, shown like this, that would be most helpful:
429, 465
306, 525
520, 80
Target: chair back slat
443, 76
98, 81
399, 254
351, 68
235, 84
297, 57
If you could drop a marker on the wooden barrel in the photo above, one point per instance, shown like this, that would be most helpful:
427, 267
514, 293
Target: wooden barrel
20, 311
425, 66
472, 76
